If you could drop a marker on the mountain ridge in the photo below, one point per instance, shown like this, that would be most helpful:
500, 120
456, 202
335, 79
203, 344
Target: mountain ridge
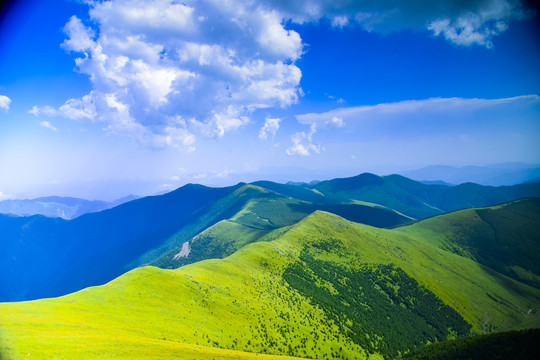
250, 301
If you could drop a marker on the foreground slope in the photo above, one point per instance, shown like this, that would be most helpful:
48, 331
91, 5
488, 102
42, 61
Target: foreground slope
505, 238
326, 288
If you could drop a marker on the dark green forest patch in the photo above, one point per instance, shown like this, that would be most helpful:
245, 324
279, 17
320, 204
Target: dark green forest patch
379, 307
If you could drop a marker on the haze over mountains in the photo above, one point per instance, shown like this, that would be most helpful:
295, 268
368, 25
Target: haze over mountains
57, 206
493, 175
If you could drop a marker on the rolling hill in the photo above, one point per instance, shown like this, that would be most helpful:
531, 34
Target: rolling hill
43, 257
505, 238
324, 288
493, 175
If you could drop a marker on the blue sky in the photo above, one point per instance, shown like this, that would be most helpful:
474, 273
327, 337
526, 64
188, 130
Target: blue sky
101, 99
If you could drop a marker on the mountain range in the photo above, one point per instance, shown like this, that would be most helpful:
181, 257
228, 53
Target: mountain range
362, 267
493, 175
57, 206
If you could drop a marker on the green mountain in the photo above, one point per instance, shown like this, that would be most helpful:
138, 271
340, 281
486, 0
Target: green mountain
323, 288
504, 238
419, 200
43, 257
264, 215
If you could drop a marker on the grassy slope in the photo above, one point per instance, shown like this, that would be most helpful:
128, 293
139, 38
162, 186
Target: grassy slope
243, 303
261, 214
505, 238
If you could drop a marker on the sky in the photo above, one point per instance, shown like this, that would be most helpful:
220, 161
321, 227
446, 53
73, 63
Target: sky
100, 99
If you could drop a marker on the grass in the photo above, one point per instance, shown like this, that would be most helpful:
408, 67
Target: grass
241, 305
505, 238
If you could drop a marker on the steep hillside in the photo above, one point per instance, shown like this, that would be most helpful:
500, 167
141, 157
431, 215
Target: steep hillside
43, 257
505, 238
419, 200
48, 257
264, 216
326, 288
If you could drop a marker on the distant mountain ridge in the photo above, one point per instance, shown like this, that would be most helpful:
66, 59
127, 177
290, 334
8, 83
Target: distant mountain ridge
58, 206
493, 175
419, 200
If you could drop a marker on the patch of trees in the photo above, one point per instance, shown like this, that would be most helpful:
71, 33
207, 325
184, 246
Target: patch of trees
379, 307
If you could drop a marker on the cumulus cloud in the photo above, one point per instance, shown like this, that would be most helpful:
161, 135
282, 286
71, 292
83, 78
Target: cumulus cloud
271, 126
47, 125
74, 109
460, 22
302, 143
4, 102
212, 64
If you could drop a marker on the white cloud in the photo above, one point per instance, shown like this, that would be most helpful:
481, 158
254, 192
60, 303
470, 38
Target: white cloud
303, 143
80, 36
213, 63
271, 126
463, 22
338, 121
424, 118
357, 114
5, 196
340, 21
4, 102
210, 63
74, 109
47, 125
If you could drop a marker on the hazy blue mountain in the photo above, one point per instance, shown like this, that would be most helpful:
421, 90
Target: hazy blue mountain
44, 257
57, 206
493, 175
